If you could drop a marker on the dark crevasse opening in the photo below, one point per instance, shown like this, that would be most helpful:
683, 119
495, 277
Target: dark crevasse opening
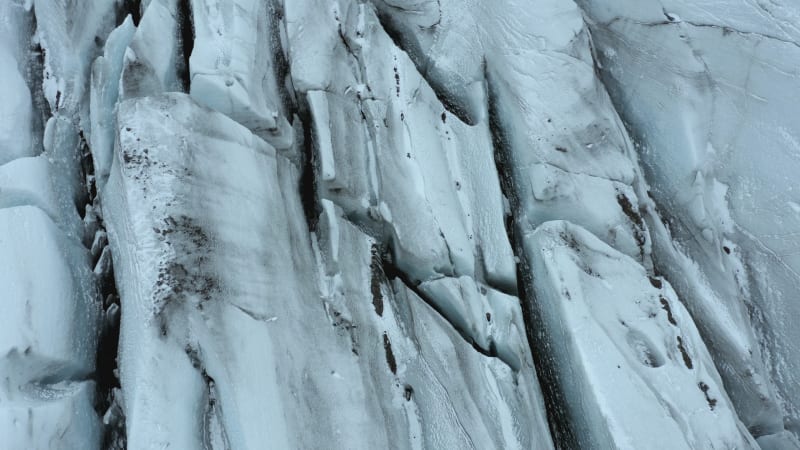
186, 40
560, 428
106, 378
132, 7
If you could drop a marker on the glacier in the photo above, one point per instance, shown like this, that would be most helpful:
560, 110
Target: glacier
246, 224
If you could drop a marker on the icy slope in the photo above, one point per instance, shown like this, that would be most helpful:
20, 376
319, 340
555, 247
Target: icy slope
622, 337
710, 92
243, 224
221, 280
418, 361
219, 275
567, 156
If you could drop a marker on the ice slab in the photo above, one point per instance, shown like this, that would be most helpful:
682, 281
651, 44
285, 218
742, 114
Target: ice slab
219, 286
433, 387
711, 97
631, 361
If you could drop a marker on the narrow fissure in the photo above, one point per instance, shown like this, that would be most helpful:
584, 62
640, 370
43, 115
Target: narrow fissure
560, 429
392, 272
186, 39
35, 79
420, 62
308, 180
107, 383
282, 69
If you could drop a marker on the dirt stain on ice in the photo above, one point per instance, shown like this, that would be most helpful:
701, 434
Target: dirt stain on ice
387, 345
665, 306
376, 267
712, 402
686, 359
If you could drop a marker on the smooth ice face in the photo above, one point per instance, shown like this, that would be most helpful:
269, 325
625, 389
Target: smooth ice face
50, 293
56, 416
15, 111
630, 359
48, 334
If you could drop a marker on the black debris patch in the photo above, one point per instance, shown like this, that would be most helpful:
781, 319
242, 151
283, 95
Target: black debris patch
570, 240
727, 250
387, 346
193, 355
634, 216
686, 359
655, 282
408, 392
377, 278
341, 324
87, 170
586, 269
397, 81
629, 210
211, 407
187, 276
561, 149
139, 162
488, 317
712, 402
308, 181
665, 306
444, 117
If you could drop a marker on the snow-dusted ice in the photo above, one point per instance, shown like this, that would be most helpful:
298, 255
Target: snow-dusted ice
631, 358
412, 224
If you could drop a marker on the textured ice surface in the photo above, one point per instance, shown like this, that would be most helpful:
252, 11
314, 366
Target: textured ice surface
393, 157
228, 306
630, 358
398, 224
232, 66
415, 356
217, 302
711, 92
